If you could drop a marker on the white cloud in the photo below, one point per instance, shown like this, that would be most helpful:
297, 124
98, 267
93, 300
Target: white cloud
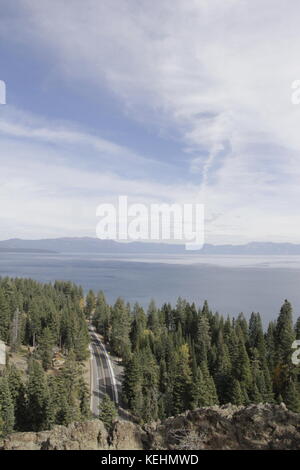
218, 72
17, 124
45, 191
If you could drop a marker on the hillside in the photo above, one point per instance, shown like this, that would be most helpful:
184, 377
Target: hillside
261, 427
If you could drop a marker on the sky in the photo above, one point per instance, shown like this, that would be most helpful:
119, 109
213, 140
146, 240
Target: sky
168, 101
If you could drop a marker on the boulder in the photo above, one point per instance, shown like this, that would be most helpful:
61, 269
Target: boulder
260, 426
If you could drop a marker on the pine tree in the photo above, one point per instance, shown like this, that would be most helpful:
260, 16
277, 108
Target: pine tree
153, 320
1, 425
271, 346
297, 328
182, 381
169, 317
209, 394
197, 389
84, 399
256, 337
18, 394
14, 339
258, 387
45, 348
81, 341
120, 330
138, 327
284, 337
70, 410
163, 386
37, 397
55, 395
268, 394
242, 325
7, 417
101, 318
49, 408
34, 323
4, 317
68, 389
203, 336
237, 397
150, 383
132, 384
107, 411
242, 368
223, 370
292, 397
205, 309
284, 334
90, 303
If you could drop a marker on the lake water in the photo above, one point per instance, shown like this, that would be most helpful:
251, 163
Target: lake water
231, 284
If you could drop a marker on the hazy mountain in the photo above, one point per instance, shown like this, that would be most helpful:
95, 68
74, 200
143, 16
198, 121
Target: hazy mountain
7, 249
94, 245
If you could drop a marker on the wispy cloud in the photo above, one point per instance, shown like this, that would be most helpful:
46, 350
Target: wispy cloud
45, 189
219, 73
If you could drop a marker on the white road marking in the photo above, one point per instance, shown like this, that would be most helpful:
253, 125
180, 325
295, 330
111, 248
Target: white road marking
111, 371
96, 349
92, 376
96, 398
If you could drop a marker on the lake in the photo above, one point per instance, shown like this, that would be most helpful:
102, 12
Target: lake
231, 284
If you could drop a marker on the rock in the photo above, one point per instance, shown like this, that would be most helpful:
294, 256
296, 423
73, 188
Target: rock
21, 441
261, 426
200, 429
90, 435
126, 435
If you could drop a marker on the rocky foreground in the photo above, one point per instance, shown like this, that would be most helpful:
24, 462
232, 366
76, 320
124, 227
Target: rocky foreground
228, 427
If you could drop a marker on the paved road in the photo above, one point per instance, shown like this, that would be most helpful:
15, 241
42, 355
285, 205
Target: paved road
102, 374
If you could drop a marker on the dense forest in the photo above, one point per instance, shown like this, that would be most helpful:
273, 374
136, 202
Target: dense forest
183, 358
175, 358
41, 318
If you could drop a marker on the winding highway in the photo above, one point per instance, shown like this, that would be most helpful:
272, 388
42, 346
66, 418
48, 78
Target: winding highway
102, 374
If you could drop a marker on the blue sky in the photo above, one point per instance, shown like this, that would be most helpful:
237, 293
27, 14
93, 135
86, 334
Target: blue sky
168, 101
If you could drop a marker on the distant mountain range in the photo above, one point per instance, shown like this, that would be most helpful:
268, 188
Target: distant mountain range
94, 245
4, 249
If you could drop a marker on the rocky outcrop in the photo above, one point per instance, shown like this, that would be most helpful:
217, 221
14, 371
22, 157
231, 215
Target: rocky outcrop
127, 435
90, 435
227, 427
